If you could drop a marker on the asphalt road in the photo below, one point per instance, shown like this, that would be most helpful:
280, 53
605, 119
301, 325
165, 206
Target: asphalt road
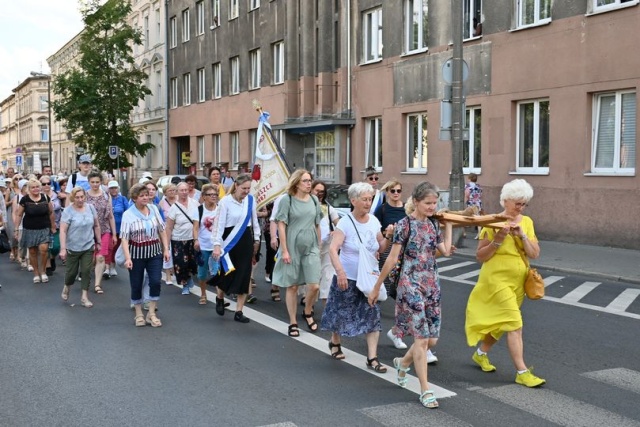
65, 365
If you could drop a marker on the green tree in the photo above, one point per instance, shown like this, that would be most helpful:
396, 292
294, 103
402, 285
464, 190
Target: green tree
96, 98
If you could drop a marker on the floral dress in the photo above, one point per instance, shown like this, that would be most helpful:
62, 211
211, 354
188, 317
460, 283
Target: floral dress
418, 300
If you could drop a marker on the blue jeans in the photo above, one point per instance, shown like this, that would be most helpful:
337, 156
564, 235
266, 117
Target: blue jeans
153, 267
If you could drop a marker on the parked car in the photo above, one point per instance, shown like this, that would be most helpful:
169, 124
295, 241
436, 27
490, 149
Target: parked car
338, 198
166, 179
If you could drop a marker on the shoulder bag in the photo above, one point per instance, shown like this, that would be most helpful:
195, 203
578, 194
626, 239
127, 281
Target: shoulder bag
533, 284
368, 271
394, 275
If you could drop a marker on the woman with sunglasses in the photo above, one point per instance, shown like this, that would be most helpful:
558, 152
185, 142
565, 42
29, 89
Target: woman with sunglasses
54, 248
372, 179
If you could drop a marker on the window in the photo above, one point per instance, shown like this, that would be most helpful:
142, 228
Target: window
173, 83
201, 85
149, 154
200, 141
44, 132
217, 149
234, 88
372, 35
235, 148
278, 62
43, 104
233, 9
254, 4
158, 23
604, 5
146, 31
532, 150
471, 151
614, 132
215, 13
159, 95
186, 87
373, 142
173, 32
254, 78
325, 157
416, 25
533, 12
200, 17
217, 80
472, 25
417, 142
185, 25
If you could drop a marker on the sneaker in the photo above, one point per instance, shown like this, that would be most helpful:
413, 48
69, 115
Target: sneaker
239, 317
397, 342
170, 281
185, 289
29, 268
527, 379
483, 362
113, 271
267, 279
431, 358
251, 299
79, 279
105, 275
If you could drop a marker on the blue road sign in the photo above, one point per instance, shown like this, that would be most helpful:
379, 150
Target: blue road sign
18, 160
114, 151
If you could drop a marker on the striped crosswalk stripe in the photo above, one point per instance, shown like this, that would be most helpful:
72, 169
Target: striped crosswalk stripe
624, 300
454, 266
623, 378
580, 292
472, 273
411, 414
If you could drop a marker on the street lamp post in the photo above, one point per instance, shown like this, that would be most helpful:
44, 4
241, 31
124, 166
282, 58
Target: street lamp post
48, 76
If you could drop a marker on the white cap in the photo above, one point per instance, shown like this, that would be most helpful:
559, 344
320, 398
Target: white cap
147, 175
22, 183
113, 184
144, 180
3, 183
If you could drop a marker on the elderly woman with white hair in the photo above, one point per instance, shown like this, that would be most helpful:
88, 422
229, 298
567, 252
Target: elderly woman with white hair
348, 312
495, 301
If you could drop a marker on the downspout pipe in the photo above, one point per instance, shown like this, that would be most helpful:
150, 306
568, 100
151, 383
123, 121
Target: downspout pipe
166, 86
348, 170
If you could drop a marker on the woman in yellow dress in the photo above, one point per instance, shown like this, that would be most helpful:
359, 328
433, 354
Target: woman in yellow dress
494, 303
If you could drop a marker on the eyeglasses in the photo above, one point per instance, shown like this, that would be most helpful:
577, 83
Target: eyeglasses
520, 205
45, 183
373, 178
394, 191
210, 194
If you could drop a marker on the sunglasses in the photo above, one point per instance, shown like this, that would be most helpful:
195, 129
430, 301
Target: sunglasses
394, 191
45, 183
373, 178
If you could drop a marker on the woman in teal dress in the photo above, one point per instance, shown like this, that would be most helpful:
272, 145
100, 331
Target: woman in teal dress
298, 220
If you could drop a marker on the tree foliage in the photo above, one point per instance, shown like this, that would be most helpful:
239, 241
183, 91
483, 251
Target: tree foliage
95, 99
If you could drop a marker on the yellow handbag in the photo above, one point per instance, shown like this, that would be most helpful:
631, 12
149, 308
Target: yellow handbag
533, 284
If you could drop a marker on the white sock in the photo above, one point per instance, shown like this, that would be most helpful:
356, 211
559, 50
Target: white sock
480, 352
522, 372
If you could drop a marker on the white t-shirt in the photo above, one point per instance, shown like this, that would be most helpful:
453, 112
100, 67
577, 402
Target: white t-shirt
183, 226
350, 251
205, 236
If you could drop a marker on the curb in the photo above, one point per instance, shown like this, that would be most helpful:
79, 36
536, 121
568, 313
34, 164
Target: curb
630, 280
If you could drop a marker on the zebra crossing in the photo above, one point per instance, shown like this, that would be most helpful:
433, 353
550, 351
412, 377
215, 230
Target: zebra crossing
619, 299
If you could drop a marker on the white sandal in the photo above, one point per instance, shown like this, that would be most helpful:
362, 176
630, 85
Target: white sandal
44, 278
36, 279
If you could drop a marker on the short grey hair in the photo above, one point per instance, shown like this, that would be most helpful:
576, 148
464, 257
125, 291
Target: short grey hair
424, 190
518, 189
357, 189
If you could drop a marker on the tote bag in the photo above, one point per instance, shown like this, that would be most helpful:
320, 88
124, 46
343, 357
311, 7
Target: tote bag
368, 270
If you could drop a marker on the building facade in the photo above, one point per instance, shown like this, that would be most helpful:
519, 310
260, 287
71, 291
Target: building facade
550, 97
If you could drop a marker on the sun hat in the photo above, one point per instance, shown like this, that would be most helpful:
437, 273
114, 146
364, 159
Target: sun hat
113, 184
85, 158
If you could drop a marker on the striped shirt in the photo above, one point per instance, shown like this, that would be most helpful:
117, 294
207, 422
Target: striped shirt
141, 244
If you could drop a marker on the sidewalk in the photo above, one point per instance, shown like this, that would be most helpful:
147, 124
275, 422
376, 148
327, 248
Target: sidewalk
599, 261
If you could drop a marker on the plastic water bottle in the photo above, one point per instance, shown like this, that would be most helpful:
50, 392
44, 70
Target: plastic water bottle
214, 266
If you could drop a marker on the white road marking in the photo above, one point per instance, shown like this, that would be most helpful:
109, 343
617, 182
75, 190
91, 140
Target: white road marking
351, 357
593, 307
557, 408
623, 378
468, 275
552, 279
454, 266
286, 424
580, 292
624, 300
411, 415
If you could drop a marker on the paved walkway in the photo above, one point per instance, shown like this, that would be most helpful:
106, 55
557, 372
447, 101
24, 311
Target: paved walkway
599, 261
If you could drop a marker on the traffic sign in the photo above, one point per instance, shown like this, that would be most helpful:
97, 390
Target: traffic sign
19, 160
114, 152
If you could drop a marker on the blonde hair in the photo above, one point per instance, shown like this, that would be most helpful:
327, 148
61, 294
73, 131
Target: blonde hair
240, 179
295, 179
390, 184
168, 187
208, 187
409, 207
33, 182
74, 191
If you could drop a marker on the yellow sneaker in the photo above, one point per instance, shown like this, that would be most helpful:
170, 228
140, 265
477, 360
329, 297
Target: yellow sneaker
483, 362
527, 379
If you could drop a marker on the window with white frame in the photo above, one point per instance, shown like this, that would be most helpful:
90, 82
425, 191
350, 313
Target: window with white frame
234, 87
614, 132
372, 35
254, 78
471, 155
416, 25
417, 142
148, 157
200, 17
373, 142
173, 87
233, 9
604, 5
202, 94
216, 71
235, 148
44, 132
186, 87
532, 12
145, 25
253, 135
43, 104
173, 32
217, 148
186, 30
158, 22
472, 26
215, 14
159, 95
532, 149
278, 62
325, 156
254, 4
200, 141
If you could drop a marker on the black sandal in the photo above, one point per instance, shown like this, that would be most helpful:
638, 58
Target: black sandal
313, 326
275, 295
294, 331
339, 355
377, 367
